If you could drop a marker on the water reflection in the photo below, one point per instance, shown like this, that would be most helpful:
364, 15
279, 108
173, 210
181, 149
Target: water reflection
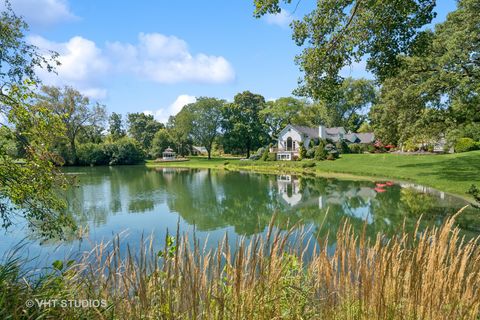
245, 202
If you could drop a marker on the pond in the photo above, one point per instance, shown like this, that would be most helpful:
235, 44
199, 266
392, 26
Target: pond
142, 201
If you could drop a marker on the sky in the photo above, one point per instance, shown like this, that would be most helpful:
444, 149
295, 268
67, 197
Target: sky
156, 56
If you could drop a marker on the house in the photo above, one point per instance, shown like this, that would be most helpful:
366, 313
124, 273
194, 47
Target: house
198, 151
290, 137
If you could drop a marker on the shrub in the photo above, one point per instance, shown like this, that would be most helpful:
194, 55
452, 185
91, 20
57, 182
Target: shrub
357, 148
342, 147
331, 157
331, 150
320, 153
91, 154
465, 144
310, 154
126, 151
272, 156
371, 148
264, 156
254, 157
302, 152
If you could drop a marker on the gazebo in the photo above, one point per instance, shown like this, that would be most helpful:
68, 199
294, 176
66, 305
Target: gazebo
168, 154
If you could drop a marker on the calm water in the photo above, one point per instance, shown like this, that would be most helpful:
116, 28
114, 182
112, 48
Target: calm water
137, 200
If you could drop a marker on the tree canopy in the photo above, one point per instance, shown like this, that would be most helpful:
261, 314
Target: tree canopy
338, 33
28, 188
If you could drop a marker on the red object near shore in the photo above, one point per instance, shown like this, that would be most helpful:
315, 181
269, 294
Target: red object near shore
389, 183
380, 190
381, 185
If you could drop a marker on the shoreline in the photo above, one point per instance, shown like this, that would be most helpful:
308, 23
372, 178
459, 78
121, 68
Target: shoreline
327, 169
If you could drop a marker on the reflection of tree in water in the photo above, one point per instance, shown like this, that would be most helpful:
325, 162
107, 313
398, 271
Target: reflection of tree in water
103, 191
246, 201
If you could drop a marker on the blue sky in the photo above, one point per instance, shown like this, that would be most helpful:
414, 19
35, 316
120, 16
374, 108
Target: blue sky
155, 56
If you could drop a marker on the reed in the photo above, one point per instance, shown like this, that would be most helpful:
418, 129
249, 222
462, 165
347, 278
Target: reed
430, 275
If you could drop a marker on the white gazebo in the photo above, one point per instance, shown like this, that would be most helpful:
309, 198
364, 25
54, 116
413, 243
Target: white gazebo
168, 154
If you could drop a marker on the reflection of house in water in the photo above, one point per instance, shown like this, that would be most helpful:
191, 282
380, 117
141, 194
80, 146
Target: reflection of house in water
338, 198
289, 188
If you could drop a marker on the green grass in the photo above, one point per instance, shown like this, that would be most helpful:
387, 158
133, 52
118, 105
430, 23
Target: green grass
452, 173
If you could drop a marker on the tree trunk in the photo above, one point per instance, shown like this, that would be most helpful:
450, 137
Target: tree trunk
208, 152
73, 150
248, 152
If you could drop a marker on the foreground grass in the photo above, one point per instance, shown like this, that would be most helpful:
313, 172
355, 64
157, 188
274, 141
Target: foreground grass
452, 173
435, 275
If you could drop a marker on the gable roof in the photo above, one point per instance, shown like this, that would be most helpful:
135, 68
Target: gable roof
368, 137
335, 130
309, 132
199, 149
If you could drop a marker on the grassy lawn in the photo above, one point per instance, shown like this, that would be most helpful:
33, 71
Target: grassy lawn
452, 173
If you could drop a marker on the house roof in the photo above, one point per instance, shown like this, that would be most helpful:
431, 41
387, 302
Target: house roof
199, 149
367, 137
351, 137
335, 134
335, 130
310, 132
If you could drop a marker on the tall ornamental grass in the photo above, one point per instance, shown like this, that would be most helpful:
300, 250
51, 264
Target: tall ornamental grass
434, 274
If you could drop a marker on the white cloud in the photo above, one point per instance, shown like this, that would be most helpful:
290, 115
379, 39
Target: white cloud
282, 19
158, 58
83, 65
43, 12
166, 59
163, 114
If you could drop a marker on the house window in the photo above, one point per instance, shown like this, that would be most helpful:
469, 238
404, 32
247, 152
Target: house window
294, 145
289, 144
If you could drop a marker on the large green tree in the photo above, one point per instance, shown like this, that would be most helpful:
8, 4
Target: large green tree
338, 33
437, 91
206, 121
281, 112
142, 127
115, 126
28, 189
348, 107
180, 129
242, 124
77, 113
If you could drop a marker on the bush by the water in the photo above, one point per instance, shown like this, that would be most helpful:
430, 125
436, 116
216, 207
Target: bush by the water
466, 144
430, 275
123, 151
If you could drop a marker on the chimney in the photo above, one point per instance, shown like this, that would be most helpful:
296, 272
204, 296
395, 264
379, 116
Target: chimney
322, 134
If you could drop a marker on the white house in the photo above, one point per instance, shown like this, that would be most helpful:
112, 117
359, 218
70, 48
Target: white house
290, 137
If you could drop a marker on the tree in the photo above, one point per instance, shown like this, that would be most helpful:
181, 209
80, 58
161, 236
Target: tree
28, 189
436, 92
115, 126
180, 129
142, 127
349, 105
161, 141
206, 121
242, 124
76, 112
338, 33
281, 112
